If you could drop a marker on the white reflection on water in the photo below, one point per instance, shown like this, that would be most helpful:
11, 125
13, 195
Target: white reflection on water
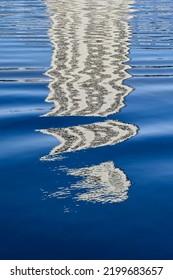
89, 136
90, 40
101, 183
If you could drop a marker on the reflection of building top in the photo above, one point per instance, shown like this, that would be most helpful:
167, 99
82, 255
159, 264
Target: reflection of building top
90, 47
101, 183
90, 136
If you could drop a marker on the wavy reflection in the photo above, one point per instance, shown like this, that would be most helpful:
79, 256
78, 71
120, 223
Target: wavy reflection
90, 48
101, 183
89, 136
90, 40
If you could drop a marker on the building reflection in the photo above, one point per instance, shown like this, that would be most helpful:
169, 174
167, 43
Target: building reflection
88, 69
90, 41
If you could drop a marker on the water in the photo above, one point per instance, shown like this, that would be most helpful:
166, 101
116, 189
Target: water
72, 187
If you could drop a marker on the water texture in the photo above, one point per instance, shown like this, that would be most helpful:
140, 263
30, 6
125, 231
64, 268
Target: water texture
86, 129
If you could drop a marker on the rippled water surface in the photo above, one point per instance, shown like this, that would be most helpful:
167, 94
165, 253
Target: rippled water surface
86, 129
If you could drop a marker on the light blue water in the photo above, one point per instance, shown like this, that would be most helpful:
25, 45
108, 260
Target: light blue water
34, 222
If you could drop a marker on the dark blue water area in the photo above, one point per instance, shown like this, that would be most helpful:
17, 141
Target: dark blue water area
33, 226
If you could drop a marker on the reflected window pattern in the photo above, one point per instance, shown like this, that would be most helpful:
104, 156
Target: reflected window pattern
88, 62
90, 136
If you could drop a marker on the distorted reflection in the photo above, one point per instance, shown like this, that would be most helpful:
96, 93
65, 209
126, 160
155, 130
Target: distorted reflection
100, 183
90, 47
90, 136
90, 40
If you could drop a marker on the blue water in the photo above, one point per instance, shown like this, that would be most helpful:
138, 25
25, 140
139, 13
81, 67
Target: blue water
34, 225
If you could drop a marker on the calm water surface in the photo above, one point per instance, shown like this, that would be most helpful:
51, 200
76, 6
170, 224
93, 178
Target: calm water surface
72, 187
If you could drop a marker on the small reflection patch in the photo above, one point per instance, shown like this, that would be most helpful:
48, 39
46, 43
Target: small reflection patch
101, 183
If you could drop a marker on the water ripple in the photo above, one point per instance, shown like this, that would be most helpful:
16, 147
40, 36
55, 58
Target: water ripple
24, 48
